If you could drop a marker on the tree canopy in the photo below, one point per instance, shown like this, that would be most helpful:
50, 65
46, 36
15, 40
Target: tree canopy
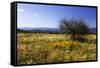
73, 26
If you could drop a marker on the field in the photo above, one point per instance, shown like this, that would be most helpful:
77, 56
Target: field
35, 48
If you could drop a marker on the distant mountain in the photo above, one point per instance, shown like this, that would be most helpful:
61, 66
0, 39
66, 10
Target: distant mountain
23, 31
25, 28
47, 30
93, 30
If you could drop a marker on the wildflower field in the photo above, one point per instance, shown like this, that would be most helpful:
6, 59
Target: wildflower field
35, 48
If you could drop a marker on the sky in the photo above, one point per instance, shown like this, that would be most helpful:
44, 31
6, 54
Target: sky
48, 16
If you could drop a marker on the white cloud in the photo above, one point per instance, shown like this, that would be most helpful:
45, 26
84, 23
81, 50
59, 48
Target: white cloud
20, 10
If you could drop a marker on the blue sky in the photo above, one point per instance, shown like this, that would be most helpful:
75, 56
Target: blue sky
35, 16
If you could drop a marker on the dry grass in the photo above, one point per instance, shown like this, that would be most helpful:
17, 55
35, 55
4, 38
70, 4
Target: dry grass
34, 48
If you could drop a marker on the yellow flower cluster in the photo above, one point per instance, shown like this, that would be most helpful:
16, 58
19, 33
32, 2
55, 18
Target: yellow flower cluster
65, 43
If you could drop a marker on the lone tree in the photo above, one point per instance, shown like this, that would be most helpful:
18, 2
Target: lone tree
75, 27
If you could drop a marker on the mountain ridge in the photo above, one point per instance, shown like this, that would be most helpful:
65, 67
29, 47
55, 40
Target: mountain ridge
49, 30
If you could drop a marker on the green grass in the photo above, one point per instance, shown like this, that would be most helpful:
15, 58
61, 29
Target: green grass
35, 48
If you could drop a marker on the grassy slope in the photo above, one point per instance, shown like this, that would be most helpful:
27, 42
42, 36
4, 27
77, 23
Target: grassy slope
34, 48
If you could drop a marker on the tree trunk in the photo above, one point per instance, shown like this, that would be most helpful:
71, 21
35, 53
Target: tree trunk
73, 36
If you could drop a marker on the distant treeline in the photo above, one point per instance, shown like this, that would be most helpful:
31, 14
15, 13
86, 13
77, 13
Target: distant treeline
47, 32
23, 31
27, 31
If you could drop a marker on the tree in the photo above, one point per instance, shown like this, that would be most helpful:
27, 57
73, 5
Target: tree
75, 27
